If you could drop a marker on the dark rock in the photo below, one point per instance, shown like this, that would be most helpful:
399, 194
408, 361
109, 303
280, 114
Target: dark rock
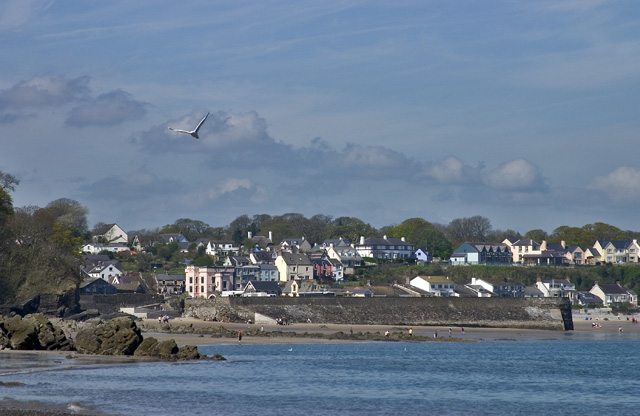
188, 352
33, 332
119, 336
23, 334
150, 347
50, 337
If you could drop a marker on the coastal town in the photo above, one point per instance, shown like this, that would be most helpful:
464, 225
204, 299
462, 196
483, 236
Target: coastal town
296, 267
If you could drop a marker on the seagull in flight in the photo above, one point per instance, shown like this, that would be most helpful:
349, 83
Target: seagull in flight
193, 132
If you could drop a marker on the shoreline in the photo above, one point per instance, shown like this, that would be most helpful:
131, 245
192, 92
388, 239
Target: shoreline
189, 331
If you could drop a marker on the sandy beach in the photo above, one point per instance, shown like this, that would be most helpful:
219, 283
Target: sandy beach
583, 330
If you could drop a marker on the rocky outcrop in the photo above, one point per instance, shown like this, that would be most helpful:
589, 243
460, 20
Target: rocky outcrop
166, 350
119, 336
33, 332
58, 305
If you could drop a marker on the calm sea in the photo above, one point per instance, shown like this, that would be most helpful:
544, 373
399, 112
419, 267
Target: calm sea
373, 378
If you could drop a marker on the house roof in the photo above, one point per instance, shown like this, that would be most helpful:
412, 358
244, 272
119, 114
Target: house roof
556, 247
174, 277
526, 242
296, 258
614, 289
103, 229
264, 286
588, 297
261, 241
485, 246
381, 241
532, 291
502, 282
435, 279
618, 244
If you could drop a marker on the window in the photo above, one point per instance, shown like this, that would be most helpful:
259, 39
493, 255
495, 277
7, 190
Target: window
190, 279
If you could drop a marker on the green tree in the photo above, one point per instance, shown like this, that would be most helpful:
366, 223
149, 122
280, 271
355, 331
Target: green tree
70, 214
536, 235
602, 231
572, 236
422, 234
351, 228
476, 228
191, 229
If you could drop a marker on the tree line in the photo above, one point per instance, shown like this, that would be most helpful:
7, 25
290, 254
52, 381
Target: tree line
39, 247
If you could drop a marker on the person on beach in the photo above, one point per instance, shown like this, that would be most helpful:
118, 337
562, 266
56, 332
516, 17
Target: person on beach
239, 336
386, 333
462, 330
449, 331
435, 333
410, 332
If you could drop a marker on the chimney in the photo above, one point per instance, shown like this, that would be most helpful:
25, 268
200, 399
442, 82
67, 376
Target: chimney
563, 244
543, 245
361, 240
539, 279
249, 235
618, 283
402, 239
271, 236
385, 237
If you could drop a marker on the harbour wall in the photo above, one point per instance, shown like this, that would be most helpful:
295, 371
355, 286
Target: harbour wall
525, 313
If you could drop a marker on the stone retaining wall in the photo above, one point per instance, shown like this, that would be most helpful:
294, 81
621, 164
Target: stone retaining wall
540, 313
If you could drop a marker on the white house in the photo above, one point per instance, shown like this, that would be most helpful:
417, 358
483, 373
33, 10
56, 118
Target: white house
437, 285
556, 288
110, 233
385, 248
503, 288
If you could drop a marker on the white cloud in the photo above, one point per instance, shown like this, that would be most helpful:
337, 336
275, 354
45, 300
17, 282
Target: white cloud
622, 184
43, 91
453, 171
255, 192
516, 175
113, 107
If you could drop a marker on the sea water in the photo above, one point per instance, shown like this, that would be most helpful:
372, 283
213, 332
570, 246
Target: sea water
365, 378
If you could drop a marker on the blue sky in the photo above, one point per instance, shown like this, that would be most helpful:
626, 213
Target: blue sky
524, 112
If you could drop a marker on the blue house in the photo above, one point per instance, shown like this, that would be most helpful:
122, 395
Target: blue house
482, 253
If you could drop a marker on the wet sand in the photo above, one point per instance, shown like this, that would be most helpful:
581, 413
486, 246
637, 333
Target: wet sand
583, 330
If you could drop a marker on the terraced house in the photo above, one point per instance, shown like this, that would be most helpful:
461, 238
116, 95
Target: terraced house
482, 253
605, 251
385, 248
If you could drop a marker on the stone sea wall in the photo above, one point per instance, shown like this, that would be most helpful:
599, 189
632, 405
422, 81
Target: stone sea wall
530, 313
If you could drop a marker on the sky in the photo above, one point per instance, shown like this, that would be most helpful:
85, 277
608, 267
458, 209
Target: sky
526, 113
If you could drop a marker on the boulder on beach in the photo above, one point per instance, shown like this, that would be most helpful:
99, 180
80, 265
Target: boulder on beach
120, 336
33, 332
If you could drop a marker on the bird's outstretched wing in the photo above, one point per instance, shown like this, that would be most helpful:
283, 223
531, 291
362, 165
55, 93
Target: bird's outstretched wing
180, 131
201, 123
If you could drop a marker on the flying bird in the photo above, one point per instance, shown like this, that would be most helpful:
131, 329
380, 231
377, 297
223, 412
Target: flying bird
193, 132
